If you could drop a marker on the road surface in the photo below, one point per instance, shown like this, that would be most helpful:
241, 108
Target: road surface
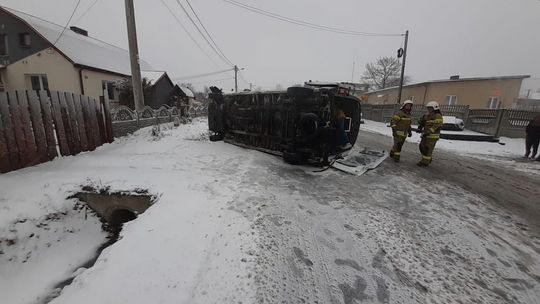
462, 231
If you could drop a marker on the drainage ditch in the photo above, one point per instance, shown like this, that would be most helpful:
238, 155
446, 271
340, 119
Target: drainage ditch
114, 209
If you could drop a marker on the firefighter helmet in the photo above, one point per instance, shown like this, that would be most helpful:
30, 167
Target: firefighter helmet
433, 104
406, 102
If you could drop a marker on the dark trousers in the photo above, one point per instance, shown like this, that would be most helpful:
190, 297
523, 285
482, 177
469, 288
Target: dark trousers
426, 148
342, 138
531, 142
399, 140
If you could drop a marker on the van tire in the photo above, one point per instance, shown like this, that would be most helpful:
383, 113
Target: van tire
293, 158
300, 92
215, 137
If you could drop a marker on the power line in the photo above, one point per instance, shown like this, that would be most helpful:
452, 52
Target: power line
307, 24
211, 81
67, 23
206, 31
188, 33
203, 75
85, 12
202, 35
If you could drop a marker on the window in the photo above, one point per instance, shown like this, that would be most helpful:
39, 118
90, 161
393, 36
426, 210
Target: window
110, 87
38, 82
493, 103
451, 100
24, 39
3, 45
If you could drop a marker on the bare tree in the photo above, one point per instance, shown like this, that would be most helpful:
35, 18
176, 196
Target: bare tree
125, 88
383, 73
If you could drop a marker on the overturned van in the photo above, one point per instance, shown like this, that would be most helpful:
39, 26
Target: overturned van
298, 124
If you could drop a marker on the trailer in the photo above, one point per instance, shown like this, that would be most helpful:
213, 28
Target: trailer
299, 124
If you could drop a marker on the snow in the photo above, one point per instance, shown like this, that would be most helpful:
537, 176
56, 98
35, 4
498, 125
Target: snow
82, 50
508, 152
187, 91
182, 249
234, 225
152, 76
513, 147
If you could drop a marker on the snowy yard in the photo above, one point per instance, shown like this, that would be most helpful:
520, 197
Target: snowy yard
239, 226
508, 152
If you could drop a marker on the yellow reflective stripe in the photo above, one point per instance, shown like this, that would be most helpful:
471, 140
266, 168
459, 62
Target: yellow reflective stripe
434, 136
397, 153
393, 126
406, 119
425, 157
400, 133
438, 120
396, 117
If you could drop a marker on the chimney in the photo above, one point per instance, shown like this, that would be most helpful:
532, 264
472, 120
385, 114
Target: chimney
455, 77
79, 30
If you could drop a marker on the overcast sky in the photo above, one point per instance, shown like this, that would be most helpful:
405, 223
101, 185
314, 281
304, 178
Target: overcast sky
459, 37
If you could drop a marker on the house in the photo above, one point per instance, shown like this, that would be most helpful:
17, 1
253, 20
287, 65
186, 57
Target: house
187, 98
478, 93
36, 55
162, 89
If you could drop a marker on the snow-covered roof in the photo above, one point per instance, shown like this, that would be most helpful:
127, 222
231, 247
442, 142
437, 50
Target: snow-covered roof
152, 76
82, 50
187, 91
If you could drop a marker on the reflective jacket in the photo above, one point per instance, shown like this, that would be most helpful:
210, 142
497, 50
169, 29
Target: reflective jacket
431, 124
401, 124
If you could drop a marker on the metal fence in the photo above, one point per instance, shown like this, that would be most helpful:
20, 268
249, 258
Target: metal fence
495, 122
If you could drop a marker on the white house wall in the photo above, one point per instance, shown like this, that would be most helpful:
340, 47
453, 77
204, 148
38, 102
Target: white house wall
92, 81
61, 75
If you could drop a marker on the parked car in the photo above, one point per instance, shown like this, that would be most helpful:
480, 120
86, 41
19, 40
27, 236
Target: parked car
295, 124
452, 123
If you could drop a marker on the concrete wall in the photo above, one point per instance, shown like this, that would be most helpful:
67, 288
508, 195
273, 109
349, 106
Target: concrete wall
473, 93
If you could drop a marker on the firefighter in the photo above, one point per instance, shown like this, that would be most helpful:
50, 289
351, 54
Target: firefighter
532, 138
430, 126
401, 128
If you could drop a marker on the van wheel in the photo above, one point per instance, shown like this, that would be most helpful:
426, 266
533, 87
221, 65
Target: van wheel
215, 137
293, 158
300, 92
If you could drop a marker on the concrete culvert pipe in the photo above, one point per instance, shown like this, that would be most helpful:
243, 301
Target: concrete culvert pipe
121, 216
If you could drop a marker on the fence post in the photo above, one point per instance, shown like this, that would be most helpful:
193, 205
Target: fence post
107, 117
466, 114
500, 115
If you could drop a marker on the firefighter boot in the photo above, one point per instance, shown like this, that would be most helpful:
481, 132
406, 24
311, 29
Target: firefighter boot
396, 156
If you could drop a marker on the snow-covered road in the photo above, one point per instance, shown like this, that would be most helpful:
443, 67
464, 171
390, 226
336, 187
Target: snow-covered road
235, 225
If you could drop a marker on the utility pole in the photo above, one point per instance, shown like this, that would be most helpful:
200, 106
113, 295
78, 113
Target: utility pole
352, 73
250, 86
136, 80
235, 78
403, 66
